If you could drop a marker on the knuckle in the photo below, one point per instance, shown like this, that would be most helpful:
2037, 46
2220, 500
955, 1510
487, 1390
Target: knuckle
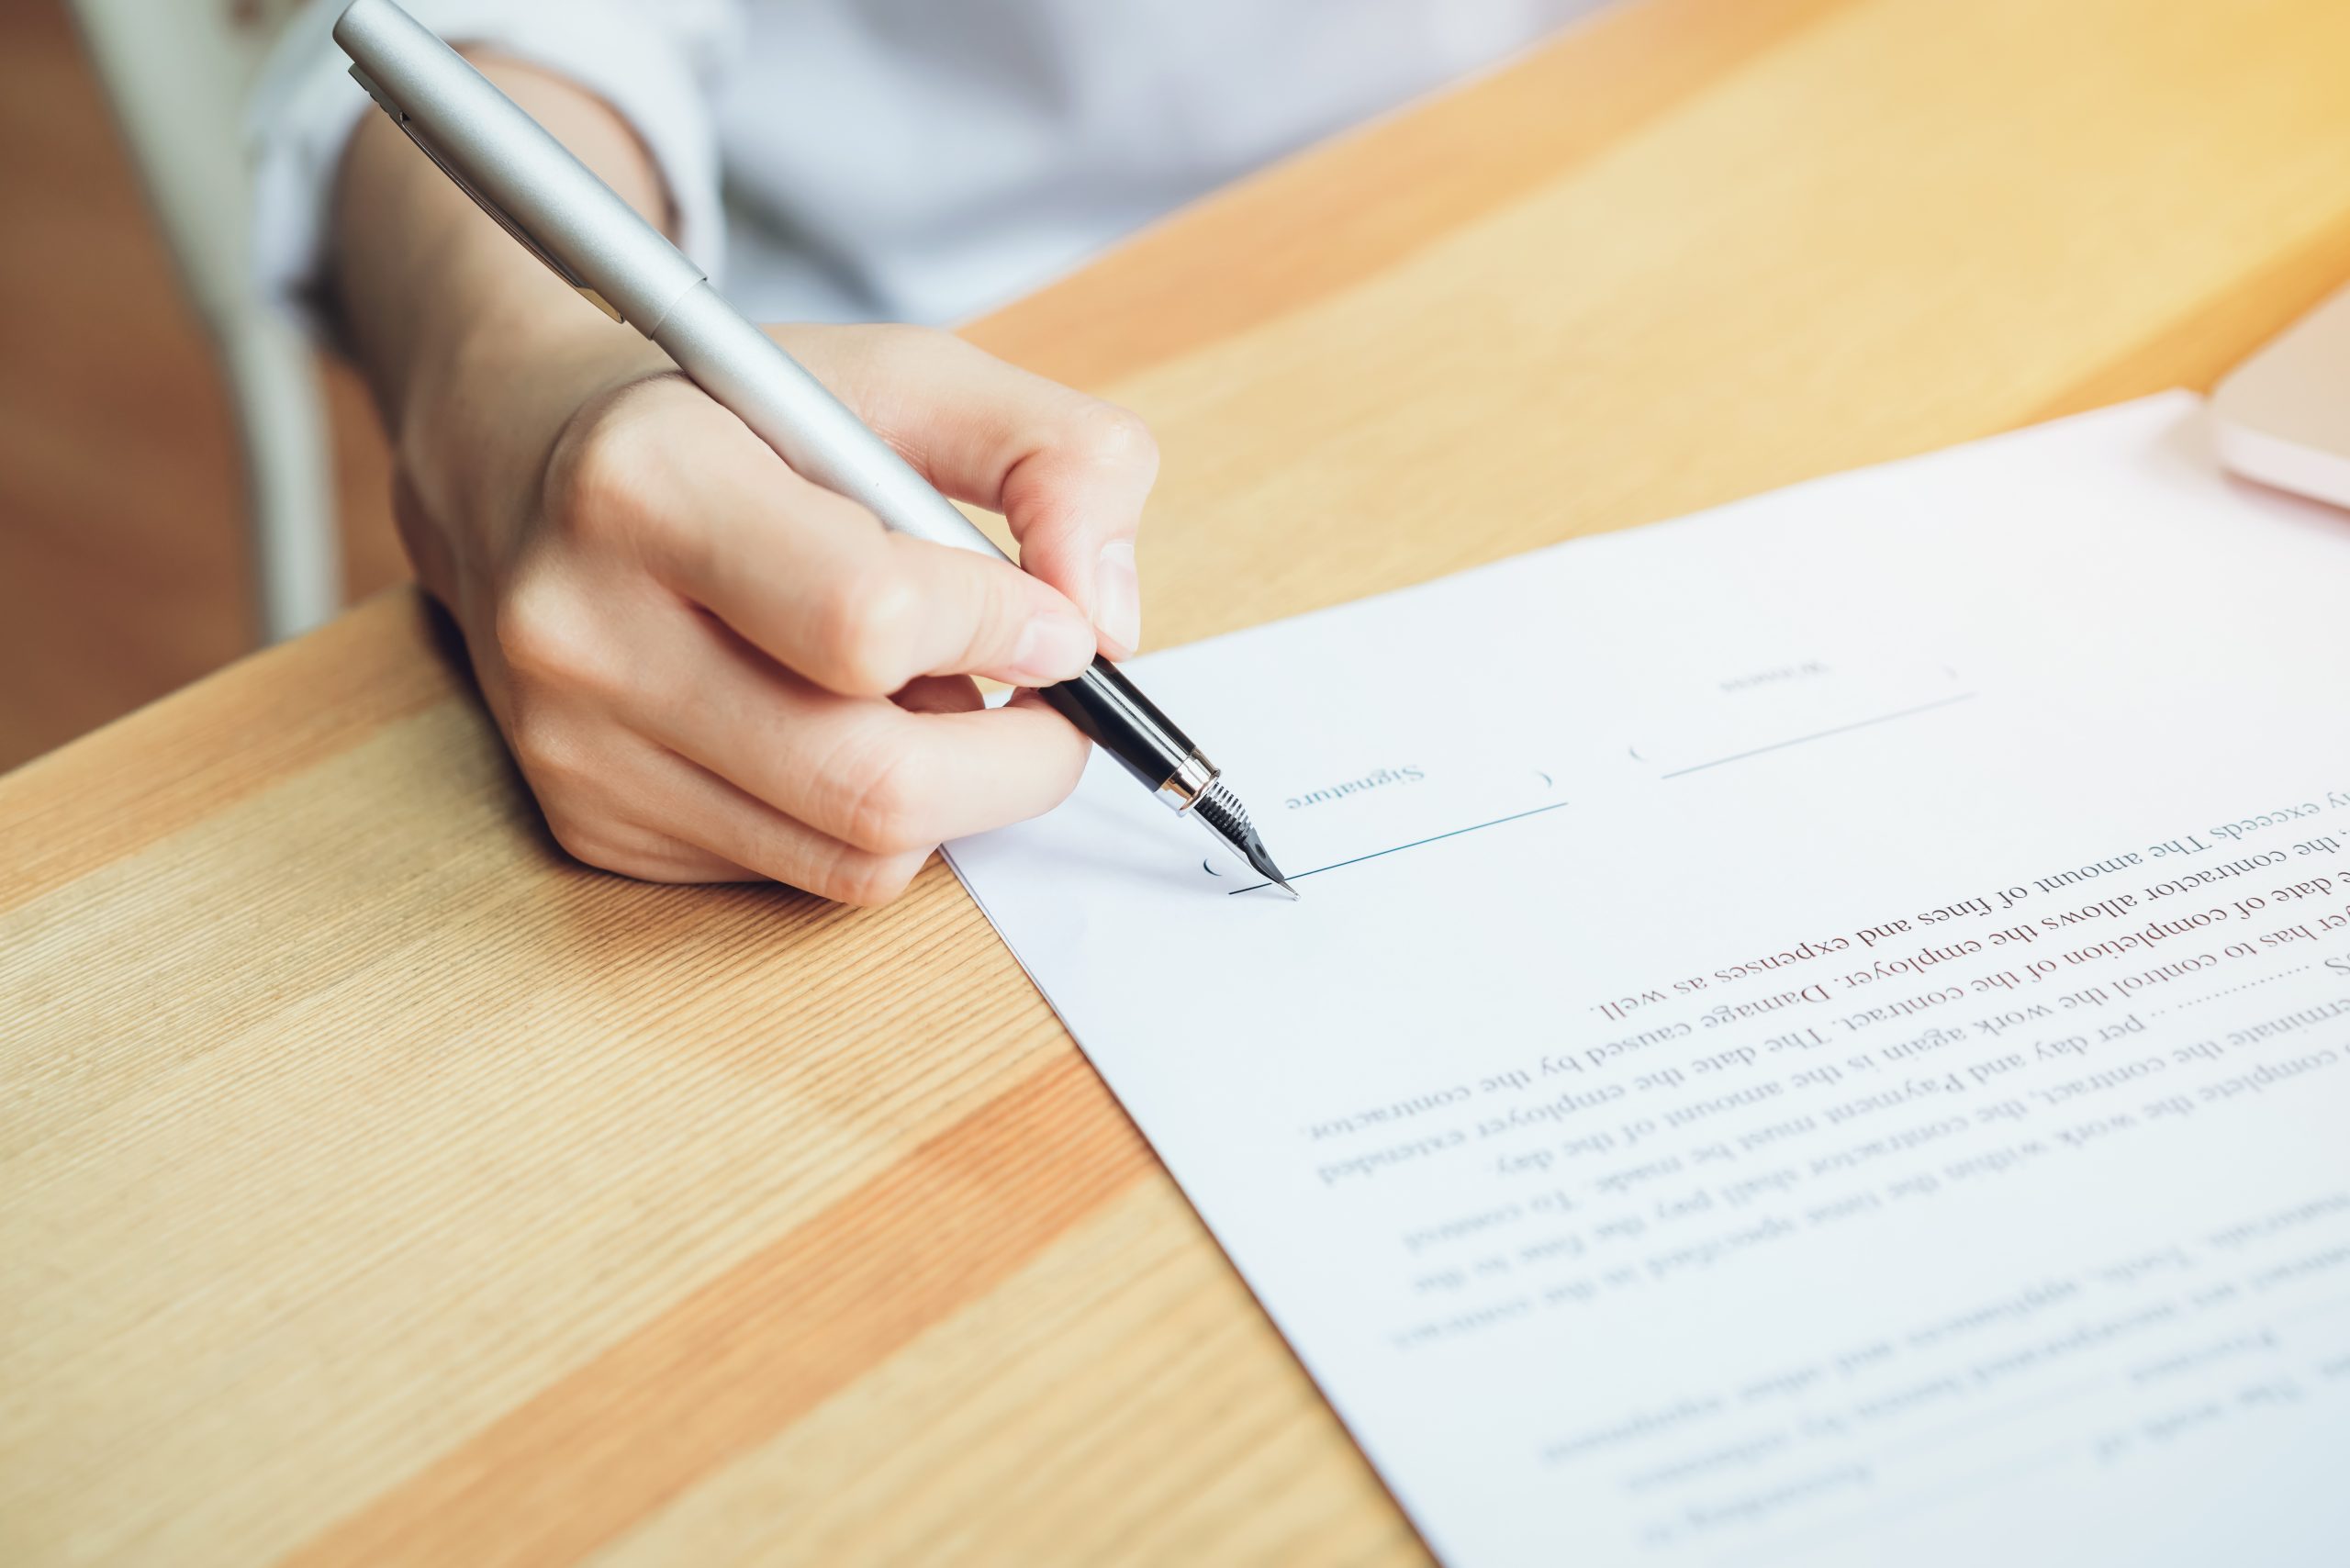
887, 805
866, 627
1005, 601
545, 634
1107, 436
546, 749
869, 881
607, 474
604, 842
586, 841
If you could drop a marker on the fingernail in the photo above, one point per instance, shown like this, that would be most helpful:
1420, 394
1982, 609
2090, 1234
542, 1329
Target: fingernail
1117, 595
1052, 648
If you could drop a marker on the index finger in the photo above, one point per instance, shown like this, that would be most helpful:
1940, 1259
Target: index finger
816, 583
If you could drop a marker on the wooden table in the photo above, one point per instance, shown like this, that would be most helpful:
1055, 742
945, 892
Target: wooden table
379, 1187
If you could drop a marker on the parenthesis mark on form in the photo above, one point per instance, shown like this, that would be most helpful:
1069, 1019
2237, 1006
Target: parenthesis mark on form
1634, 752
1548, 782
1211, 870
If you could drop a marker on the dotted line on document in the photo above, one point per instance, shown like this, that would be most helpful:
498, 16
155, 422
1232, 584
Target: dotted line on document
2282, 974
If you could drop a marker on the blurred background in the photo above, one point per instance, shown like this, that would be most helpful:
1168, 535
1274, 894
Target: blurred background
183, 475
126, 558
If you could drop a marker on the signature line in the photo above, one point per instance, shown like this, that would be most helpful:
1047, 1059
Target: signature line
1823, 735
1399, 849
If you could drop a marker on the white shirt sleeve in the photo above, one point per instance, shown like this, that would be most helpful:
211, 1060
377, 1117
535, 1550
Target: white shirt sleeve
655, 61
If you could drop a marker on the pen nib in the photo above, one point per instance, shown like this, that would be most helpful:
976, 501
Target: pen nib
1223, 814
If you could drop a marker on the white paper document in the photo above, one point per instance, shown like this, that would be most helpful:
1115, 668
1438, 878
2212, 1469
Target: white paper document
1818, 1033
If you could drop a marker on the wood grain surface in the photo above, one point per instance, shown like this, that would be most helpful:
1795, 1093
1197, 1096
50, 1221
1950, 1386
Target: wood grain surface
377, 1187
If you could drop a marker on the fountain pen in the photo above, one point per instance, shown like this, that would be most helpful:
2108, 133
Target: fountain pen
559, 211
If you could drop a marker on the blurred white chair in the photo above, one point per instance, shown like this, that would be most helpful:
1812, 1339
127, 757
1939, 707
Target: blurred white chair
178, 73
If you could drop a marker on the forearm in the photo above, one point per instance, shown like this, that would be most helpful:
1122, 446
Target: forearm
428, 287
707, 667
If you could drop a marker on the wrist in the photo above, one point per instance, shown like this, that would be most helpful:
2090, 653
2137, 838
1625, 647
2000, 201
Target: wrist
488, 396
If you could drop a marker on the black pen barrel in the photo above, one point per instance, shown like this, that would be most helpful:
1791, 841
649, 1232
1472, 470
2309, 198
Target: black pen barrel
1115, 715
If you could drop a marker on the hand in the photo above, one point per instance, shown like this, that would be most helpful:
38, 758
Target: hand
709, 669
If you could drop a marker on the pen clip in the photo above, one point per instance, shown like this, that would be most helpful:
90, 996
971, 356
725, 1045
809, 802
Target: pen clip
521, 237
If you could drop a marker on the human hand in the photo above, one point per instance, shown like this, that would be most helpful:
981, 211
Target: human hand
707, 668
